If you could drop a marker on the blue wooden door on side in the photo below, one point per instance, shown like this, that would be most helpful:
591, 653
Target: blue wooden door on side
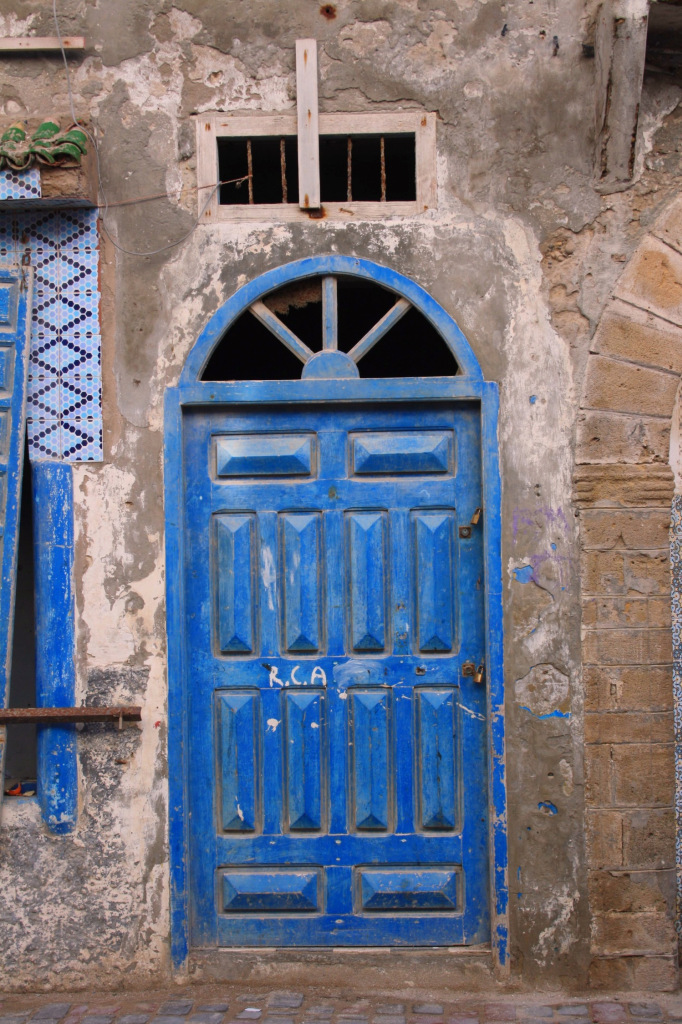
337, 768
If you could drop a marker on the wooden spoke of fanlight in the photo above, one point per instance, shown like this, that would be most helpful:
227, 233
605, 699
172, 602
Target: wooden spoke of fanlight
281, 331
330, 325
377, 332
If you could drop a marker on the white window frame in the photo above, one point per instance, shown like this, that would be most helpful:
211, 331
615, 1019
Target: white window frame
213, 126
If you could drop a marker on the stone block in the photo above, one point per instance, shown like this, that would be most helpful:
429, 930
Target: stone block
654, 973
628, 727
642, 773
621, 572
598, 785
611, 437
632, 933
609, 1013
649, 838
604, 838
640, 338
635, 529
602, 572
610, 973
645, 1011
628, 688
626, 612
652, 280
628, 387
632, 892
623, 486
634, 973
627, 646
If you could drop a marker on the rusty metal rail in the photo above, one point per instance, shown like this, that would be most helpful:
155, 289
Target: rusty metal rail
67, 716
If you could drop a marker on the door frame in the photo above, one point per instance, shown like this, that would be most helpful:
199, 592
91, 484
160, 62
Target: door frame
192, 391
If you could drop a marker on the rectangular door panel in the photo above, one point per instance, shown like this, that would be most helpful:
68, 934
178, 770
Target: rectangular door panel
304, 741
436, 758
236, 584
270, 890
368, 584
409, 452
371, 762
409, 888
238, 768
301, 569
434, 571
265, 455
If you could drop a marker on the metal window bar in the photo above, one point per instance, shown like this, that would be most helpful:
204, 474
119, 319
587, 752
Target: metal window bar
349, 170
283, 170
249, 169
383, 170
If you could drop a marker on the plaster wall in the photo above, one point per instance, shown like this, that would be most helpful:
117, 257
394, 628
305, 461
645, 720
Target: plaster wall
522, 250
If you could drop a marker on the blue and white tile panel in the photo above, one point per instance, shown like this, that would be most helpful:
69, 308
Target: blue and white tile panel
65, 383
20, 184
676, 567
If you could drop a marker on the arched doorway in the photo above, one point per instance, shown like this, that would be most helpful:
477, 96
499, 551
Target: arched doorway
334, 621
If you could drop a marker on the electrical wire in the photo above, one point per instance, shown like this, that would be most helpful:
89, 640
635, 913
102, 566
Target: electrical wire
104, 205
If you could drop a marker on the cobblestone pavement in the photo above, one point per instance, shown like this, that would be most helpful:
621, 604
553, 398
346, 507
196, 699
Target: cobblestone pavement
228, 1005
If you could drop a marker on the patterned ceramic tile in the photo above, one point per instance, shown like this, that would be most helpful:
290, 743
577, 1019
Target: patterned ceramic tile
676, 566
20, 184
64, 408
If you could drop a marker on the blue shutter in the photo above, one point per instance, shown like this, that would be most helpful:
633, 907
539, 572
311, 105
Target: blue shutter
15, 294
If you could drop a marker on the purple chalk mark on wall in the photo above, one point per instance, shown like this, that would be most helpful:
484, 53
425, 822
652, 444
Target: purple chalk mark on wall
536, 520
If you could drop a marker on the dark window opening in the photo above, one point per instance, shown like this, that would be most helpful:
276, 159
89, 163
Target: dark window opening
354, 168
664, 39
249, 351
411, 348
20, 758
299, 307
262, 169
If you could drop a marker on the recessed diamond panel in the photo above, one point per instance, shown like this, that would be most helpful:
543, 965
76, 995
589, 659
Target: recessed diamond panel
64, 389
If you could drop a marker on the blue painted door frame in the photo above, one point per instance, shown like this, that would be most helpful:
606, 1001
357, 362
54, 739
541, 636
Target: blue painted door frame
236, 403
15, 307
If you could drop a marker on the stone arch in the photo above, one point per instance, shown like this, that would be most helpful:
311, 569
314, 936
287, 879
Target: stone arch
623, 487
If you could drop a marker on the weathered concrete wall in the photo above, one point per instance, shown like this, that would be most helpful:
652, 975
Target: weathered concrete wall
521, 250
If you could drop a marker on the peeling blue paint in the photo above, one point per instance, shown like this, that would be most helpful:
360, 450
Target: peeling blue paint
53, 540
524, 574
550, 714
533, 399
547, 805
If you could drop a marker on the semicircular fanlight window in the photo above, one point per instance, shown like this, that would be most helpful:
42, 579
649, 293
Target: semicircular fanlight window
330, 326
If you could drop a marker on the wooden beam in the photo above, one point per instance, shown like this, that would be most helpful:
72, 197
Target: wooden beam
308, 125
281, 331
330, 314
65, 716
377, 332
32, 43
620, 52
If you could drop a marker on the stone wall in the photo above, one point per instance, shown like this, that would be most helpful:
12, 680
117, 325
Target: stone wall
623, 487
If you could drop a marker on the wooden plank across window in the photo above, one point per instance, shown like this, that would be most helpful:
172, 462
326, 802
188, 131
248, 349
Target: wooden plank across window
28, 43
67, 716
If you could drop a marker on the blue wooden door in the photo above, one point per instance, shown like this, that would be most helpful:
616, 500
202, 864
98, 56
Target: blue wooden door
337, 779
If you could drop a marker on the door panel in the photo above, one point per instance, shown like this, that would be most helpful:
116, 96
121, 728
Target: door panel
305, 746
235, 590
329, 721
